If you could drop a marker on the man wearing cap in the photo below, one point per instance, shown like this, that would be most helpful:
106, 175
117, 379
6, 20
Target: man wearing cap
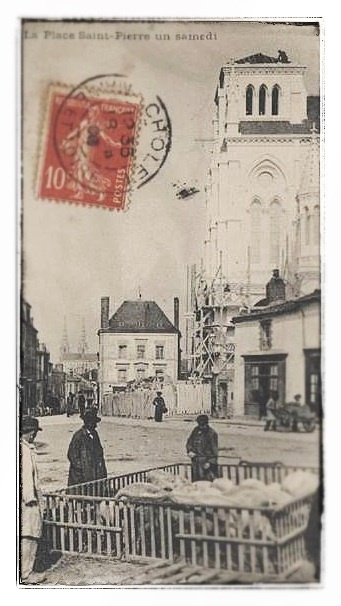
85, 452
31, 505
202, 448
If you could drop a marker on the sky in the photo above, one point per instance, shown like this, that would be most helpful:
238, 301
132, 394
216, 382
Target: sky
74, 255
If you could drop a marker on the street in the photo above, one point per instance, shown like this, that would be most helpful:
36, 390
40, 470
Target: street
134, 444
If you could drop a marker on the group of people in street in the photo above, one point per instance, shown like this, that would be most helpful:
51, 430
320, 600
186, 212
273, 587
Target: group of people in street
86, 458
78, 402
272, 406
87, 463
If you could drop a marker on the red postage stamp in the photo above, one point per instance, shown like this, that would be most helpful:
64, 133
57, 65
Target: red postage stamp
89, 148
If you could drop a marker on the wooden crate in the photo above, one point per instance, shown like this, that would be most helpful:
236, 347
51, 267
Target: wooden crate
248, 541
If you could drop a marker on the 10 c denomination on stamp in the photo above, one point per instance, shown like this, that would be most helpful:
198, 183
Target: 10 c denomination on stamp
91, 147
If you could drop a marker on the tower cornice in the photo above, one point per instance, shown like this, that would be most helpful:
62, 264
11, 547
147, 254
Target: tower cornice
249, 139
264, 68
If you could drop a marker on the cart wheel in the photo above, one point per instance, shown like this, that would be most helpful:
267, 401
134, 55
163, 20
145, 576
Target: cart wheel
309, 425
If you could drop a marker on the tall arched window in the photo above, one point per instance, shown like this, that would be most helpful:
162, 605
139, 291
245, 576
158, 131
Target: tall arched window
249, 100
262, 99
316, 229
274, 100
256, 224
306, 226
275, 233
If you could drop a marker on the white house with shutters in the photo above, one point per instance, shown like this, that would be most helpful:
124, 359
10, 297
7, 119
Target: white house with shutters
138, 342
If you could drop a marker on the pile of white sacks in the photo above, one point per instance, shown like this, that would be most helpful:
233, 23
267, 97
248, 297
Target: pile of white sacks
250, 493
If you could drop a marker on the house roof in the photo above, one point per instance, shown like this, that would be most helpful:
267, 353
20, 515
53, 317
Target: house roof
279, 309
258, 58
140, 316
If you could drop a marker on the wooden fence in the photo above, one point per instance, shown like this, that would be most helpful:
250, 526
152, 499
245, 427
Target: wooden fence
181, 399
257, 541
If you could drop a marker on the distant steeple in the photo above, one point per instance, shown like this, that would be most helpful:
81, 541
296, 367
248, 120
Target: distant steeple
65, 347
83, 346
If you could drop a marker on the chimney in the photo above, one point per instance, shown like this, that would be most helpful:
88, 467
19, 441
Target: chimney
105, 312
275, 289
176, 312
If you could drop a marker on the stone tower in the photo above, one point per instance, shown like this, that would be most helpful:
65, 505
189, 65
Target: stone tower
264, 183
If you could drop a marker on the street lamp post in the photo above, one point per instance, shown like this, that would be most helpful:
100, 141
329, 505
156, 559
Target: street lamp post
98, 388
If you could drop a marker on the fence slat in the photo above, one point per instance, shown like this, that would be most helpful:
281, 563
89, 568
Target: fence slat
152, 531
169, 533
162, 532
132, 530
204, 533
142, 531
117, 522
192, 531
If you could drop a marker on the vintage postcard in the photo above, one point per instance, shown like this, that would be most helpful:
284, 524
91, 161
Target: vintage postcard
169, 384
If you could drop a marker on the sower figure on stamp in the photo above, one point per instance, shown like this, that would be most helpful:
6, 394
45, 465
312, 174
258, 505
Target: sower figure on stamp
160, 407
83, 143
85, 452
202, 448
31, 501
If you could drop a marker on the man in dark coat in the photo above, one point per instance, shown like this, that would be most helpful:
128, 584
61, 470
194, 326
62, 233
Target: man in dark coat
85, 452
202, 447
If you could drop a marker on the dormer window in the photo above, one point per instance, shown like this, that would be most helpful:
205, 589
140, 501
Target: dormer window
249, 100
262, 100
274, 100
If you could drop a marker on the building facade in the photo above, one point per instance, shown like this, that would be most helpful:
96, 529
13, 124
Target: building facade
28, 359
80, 365
262, 209
36, 368
263, 196
58, 393
138, 342
278, 349
44, 375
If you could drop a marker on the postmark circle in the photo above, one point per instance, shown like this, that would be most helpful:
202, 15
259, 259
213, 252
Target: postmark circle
108, 139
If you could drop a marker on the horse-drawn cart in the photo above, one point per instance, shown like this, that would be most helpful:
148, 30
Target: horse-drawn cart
295, 418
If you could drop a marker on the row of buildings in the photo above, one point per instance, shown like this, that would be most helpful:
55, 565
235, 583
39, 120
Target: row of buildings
44, 386
274, 348
252, 322
41, 384
254, 302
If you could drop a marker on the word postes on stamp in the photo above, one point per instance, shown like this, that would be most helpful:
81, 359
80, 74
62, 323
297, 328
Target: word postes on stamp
93, 152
